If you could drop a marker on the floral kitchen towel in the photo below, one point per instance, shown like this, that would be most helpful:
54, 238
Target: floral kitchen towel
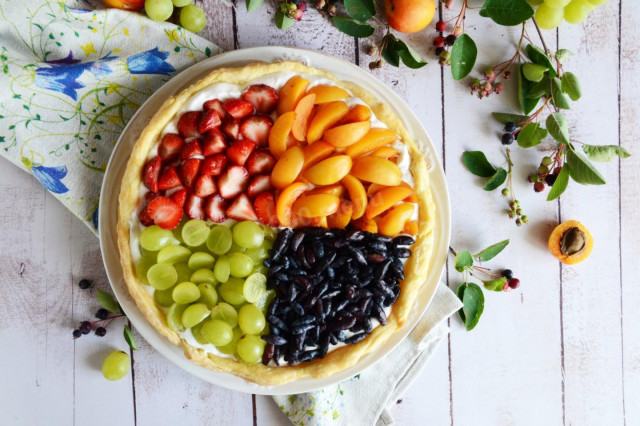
71, 77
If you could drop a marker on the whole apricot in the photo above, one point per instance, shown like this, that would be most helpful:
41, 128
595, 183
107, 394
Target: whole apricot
409, 16
132, 5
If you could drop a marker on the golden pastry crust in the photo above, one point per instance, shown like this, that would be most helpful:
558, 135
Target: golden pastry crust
338, 359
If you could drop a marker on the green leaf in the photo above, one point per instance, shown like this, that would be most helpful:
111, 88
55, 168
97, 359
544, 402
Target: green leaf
604, 153
505, 117
107, 301
558, 128
531, 135
360, 9
472, 304
390, 53
476, 162
507, 12
491, 251
283, 21
563, 54
253, 5
581, 169
571, 86
496, 180
395, 50
524, 88
352, 27
560, 185
540, 89
463, 56
410, 57
128, 336
537, 56
558, 98
495, 285
533, 72
463, 261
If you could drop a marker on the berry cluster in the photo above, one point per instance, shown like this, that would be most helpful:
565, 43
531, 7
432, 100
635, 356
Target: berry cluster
443, 41
103, 321
547, 172
327, 6
293, 8
512, 283
510, 133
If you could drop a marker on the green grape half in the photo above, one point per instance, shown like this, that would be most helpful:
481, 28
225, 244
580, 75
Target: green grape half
174, 317
576, 11
158, 10
269, 233
193, 18
231, 291
201, 259
219, 240
217, 332
263, 303
154, 238
547, 17
197, 334
186, 292
143, 265
204, 276
230, 348
162, 276
173, 254
254, 287
248, 234
225, 312
208, 295
181, 3
195, 232
251, 319
183, 270
195, 314
250, 348
240, 265
556, 3
116, 365
222, 269
164, 298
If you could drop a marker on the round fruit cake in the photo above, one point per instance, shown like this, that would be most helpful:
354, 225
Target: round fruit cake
275, 222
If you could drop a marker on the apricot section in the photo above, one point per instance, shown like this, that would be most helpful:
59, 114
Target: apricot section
376, 170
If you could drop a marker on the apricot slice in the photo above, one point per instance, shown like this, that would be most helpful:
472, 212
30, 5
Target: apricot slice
288, 167
292, 91
285, 202
386, 152
316, 205
376, 170
571, 242
335, 189
373, 188
374, 139
393, 222
280, 134
364, 224
301, 122
385, 199
357, 195
413, 198
326, 93
328, 115
411, 228
342, 217
357, 113
316, 152
329, 171
347, 134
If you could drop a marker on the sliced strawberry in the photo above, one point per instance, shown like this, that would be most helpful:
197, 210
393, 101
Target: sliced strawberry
151, 172
238, 108
256, 128
239, 151
264, 98
265, 206
260, 162
164, 212
216, 105
169, 179
214, 165
214, 142
180, 196
194, 207
189, 170
214, 207
231, 128
233, 182
144, 217
204, 186
150, 196
170, 146
209, 120
188, 124
241, 209
191, 149
258, 185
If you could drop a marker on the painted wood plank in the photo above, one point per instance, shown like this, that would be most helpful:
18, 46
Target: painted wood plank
219, 27
592, 342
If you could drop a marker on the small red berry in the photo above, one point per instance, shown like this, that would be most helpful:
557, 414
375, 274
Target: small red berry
441, 26
438, 41
514, 283
538, 186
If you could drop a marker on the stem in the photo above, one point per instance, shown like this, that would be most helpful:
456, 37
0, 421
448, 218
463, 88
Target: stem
540, 34
107, 319
453, 251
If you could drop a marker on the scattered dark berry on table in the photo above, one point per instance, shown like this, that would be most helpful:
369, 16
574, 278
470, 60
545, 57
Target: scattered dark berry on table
510, 127
550, 179
101, 331
507, 273
507, 139
538, 186
102, 313
85, 327
514, 283
85, 283
77, 333
450, 39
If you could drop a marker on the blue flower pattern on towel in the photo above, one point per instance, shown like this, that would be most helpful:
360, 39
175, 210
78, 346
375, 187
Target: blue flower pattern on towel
150, 62
51, 178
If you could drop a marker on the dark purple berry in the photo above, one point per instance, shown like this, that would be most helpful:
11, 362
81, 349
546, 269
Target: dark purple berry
507, 139
85, 283
538, 186
101, 331
77, 333
450, 39
507, 273
439, 50
550, 179
510, 127
514, 283
102, 313
85, 327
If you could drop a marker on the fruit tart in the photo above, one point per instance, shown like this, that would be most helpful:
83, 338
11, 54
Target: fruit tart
275, 222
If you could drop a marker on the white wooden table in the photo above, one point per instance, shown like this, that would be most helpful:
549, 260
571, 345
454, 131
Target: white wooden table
562, 349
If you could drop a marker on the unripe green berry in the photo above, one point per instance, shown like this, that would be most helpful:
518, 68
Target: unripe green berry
543, 170
505, 192
445, 55
546, 161
518, 222
519, 212
534, 178
525, 219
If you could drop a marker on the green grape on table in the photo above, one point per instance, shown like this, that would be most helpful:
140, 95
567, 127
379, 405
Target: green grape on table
231, 291
254, 287
576, 11
186, 292
158, 10
222, 269
195, 232
230, 348
225, 312
182, 3
248, 234
251, 319
197, 334
208, 295
174, 317
153, 238
164, 298
219, 240
193, 18
195, 314
556, 3
173, 254
162, 276
548, 17
217, 332
116, 365
250, 348
201, 259
240, 265
204, 276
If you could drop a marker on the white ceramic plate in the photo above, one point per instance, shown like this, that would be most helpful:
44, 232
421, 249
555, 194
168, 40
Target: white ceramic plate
117, 164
